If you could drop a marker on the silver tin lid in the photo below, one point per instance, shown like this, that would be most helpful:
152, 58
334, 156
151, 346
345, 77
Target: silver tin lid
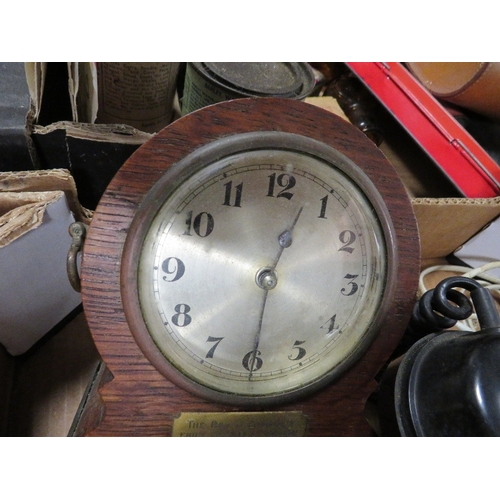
263, 79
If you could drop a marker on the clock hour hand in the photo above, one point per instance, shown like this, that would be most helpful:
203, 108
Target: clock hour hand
285, 238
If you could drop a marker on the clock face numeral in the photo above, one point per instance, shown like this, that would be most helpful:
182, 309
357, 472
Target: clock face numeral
285, 181
217, 340
322, 213
329, 326
301, 352
202, 224
347, 238
173, 268
228, 189
352, 283
252, 362
182, 318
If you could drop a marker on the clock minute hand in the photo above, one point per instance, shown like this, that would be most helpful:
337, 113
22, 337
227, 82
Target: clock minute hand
285, 240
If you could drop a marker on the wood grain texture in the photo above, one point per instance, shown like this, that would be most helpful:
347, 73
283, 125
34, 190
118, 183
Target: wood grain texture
139, 401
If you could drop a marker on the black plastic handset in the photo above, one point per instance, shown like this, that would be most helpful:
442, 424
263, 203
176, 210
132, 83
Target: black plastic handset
448, 381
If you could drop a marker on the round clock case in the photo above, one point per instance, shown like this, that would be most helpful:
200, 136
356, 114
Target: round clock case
200, 174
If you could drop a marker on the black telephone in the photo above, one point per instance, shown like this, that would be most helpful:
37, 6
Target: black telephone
448, 381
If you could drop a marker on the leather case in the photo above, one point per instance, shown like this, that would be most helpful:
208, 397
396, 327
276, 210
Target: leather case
471, 85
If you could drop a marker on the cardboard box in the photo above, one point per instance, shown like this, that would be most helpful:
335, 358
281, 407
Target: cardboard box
35, 292
92, 153
47, 355
42, 390
70, 131
16, 147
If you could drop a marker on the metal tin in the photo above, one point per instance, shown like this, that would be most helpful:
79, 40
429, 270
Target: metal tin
208, 83
139, 94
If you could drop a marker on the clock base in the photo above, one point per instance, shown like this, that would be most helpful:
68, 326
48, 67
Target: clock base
122, 407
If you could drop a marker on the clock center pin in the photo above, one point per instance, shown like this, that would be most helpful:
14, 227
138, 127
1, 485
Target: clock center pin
266, 278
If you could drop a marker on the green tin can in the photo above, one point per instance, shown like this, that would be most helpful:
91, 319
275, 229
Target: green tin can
209, 83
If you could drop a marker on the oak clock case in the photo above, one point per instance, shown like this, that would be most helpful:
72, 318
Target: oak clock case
257, 258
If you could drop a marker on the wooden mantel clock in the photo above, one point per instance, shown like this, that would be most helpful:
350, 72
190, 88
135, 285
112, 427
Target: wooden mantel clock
248, 272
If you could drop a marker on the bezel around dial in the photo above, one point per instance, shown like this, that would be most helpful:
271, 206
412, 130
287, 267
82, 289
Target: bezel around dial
193, 166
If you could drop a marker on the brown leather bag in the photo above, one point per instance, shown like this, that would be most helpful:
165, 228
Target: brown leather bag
471, 85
